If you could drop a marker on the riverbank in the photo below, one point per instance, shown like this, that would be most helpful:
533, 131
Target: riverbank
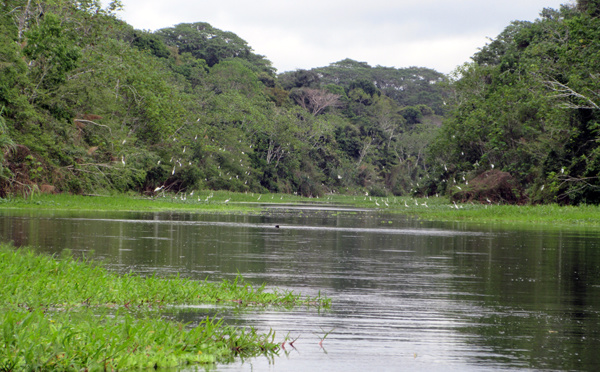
441, 209
435, 208
65, 314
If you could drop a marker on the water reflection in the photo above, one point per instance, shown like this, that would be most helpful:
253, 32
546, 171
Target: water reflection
407, 295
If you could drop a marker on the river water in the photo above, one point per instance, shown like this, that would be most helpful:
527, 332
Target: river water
407, 295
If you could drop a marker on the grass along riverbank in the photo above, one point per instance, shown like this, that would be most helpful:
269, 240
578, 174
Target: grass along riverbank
434, 208
441, 209
64, 314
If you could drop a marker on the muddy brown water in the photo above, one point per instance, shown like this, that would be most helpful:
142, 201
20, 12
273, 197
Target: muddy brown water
407, 295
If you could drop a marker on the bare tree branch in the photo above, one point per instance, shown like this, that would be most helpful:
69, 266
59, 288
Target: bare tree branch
316, 100
91, 122
23, 20
563, 91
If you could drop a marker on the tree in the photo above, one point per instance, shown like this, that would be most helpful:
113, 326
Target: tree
529, 106
300, 79
315, 100
212, 45
590, 7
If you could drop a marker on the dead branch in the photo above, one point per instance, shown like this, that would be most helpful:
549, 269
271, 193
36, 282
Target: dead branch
91, 122
316, 100
562, 91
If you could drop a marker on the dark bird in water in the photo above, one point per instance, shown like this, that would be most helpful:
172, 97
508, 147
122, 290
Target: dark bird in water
277, 226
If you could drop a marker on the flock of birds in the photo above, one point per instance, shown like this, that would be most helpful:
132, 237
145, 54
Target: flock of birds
378, 202
384, 202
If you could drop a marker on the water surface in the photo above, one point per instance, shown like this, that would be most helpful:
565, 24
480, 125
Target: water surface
407, 295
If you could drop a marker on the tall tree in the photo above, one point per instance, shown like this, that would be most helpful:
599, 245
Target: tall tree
212, 45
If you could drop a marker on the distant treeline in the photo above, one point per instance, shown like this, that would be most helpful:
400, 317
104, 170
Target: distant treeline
89, 105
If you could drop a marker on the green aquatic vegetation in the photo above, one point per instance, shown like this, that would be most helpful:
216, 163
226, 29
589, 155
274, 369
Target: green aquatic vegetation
68, 283
550, 214
43, 340
67, 314
441, 209
325, 334
433, 208
198, 201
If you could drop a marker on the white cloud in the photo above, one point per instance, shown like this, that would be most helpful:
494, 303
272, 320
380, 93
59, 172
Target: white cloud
438, 34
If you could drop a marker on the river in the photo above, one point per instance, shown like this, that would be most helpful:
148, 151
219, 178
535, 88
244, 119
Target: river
406, 295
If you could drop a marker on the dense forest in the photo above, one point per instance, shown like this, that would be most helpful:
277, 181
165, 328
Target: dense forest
90, 105
528, 104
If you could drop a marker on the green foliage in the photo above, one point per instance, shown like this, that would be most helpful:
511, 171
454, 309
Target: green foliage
6, 144
150, 42
527, 106
51, 51
407, 86
212, 45
101, 107
75, 315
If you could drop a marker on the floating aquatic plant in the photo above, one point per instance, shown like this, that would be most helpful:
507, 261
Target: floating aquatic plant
67, 314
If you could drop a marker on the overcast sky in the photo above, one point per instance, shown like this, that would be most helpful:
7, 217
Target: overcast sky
439, 34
